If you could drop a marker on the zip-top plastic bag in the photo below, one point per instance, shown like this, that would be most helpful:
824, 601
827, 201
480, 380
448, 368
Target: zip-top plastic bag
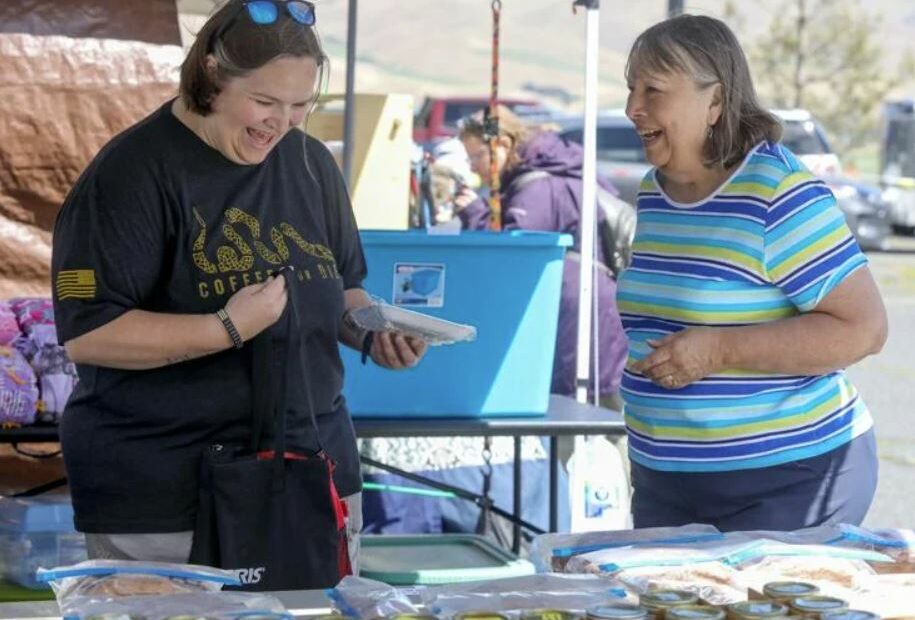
154, 591
516, 594
358, 597
552, 552
714, 582
734, 549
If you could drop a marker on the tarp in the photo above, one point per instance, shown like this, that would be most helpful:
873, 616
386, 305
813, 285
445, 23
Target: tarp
73, 74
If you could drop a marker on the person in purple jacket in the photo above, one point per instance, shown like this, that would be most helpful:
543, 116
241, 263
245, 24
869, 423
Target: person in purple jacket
541, 184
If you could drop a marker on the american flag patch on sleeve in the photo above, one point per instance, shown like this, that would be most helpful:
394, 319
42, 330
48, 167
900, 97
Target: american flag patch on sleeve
76, 284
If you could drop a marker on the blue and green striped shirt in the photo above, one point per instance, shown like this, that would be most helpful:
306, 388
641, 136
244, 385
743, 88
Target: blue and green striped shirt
769, 244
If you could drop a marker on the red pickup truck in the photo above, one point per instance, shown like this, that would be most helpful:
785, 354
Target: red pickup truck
438, 116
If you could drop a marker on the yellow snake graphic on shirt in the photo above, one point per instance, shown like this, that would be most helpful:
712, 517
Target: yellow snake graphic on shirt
238, 260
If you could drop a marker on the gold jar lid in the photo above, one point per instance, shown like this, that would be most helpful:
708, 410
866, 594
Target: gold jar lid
616, 611
662, 599
548, 614
695, 612
849, 614
758, 609
480, 615
787, 590
817, 604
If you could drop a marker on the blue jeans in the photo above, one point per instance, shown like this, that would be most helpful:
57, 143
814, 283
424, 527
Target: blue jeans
836, 487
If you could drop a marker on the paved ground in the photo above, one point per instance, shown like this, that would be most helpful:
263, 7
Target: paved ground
887, 382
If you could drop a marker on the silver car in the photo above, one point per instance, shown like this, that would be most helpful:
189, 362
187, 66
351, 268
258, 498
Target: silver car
620, 156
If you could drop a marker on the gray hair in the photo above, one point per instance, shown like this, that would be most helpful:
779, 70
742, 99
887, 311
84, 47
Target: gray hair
705, 49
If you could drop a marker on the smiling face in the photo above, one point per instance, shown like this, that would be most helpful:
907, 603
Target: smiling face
252, 113
672, 114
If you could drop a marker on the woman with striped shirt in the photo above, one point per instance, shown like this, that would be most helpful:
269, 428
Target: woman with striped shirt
746, 298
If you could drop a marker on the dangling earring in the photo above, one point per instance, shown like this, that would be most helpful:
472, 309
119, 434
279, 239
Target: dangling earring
709, 132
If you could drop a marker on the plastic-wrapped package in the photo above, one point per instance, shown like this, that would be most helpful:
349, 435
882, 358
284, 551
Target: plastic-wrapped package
154, 591
32, 311
823, 571
665, 554
358, 597
381, 316
56, 375
18, 389
714, 582
542, 591
733, 548
128, 578
551, 552
9, 327
899, 544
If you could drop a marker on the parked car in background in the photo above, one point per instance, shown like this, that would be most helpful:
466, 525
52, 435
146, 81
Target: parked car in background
804, 137
867, 213
438, 116
897, 162
620, 156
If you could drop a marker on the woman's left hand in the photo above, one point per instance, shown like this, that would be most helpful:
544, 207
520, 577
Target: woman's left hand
682, 358
395, 351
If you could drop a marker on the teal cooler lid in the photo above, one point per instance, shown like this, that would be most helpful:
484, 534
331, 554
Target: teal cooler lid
514, 238
36, 514
428, 559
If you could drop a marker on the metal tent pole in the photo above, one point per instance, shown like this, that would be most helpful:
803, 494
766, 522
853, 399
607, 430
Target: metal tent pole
588, 223
349, 111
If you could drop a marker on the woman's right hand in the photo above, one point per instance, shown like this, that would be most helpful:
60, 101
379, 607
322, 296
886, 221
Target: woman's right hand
258, 306
463, 198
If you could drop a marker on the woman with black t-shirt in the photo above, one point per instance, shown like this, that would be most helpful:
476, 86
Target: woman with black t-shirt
165, 255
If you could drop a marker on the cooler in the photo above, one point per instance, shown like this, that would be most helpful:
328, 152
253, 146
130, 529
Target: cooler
505, 284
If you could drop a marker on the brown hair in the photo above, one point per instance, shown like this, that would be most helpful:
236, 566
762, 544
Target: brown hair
705, 49
510, 126
240, 46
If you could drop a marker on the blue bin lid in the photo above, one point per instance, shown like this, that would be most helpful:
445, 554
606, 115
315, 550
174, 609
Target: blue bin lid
52, 513
511, 238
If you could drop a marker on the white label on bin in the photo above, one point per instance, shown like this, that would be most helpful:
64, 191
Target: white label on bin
419, 285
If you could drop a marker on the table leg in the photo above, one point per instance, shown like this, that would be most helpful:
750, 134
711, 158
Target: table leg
516, 504
554, 483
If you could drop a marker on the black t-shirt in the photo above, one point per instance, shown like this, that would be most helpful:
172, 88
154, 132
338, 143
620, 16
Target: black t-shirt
160, 221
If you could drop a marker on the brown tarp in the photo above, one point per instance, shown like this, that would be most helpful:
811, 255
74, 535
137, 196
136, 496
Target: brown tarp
73, 73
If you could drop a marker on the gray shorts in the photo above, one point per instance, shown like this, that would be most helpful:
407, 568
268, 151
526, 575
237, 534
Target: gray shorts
176, 546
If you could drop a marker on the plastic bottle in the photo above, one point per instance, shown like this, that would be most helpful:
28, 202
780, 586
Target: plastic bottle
598, 487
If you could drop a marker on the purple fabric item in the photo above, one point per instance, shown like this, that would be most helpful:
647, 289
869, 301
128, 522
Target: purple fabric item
553, 204
56, 379
18, 389
9, 327
32, 311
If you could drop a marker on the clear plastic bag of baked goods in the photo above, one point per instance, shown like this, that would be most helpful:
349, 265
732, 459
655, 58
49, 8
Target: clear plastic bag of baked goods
154, 591
552, 552
714, 582
130, 578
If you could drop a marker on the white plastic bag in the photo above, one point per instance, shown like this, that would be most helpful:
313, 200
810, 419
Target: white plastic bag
598, 487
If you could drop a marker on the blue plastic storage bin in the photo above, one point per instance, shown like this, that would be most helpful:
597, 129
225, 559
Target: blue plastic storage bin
505, 284
37, 532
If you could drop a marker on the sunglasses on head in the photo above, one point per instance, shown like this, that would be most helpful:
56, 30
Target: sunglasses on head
266, 12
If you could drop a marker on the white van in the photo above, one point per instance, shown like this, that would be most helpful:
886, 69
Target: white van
805, 138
